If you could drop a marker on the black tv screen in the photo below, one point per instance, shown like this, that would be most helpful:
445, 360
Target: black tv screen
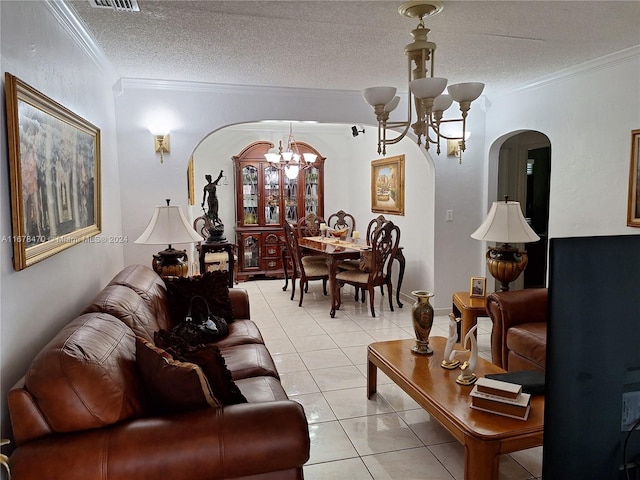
593, 357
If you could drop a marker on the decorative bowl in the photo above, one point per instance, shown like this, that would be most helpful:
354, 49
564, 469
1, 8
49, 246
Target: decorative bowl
338, 233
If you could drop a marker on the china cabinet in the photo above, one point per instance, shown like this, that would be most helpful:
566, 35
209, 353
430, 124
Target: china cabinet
266, 197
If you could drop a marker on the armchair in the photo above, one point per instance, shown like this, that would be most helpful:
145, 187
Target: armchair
519, 334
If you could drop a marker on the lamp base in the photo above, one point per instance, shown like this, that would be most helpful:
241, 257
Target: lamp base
505, 264
171, 263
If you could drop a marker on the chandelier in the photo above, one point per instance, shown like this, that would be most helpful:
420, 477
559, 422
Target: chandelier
289, 160
425, 91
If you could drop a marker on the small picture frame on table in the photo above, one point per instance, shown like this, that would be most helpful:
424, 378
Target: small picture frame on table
478, 287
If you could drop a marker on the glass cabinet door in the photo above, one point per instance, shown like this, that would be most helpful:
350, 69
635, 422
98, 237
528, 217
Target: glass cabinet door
290, 199
311, 196
250, 251
250, 195
271, 195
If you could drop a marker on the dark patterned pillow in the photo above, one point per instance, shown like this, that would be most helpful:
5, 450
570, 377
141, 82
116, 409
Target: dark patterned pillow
209, 359
213, 286
173, 385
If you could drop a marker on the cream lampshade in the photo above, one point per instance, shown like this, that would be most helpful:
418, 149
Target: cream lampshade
505, 224
168, 225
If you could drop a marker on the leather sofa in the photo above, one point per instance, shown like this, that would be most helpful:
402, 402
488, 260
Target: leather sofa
79, 412
519, 334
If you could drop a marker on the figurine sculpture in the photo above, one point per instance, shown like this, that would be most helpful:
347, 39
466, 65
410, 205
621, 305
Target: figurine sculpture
448, 361
214, 225
467, 374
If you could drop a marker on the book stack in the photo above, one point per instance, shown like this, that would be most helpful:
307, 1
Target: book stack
502, 398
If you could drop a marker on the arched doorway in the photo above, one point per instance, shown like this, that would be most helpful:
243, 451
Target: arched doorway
524, 172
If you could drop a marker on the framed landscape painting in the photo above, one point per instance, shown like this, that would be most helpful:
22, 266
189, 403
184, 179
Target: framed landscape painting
54, 173
387, 185
633, 208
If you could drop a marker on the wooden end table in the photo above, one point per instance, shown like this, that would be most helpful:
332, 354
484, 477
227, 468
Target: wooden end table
485, 436
469, 309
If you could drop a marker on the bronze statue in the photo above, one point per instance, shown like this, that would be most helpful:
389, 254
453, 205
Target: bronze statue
212, 201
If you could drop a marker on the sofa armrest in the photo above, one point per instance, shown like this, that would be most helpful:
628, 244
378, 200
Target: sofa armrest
240, 303
508, 309
214, 443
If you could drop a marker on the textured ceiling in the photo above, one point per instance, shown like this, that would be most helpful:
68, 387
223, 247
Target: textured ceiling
350, 45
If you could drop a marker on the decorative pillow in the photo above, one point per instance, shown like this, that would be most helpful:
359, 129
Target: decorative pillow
209, 359
213, 286
173, 386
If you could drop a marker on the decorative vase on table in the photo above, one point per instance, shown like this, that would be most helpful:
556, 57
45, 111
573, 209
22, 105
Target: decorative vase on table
422, 316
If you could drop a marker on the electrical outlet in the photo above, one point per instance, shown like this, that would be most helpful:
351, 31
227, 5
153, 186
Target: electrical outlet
449, 216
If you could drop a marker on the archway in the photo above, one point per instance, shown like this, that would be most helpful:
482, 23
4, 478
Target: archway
523, 172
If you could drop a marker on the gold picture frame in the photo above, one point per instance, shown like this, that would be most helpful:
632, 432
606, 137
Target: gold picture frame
633, 208
478, 287
387, 185
191, 182
54, 174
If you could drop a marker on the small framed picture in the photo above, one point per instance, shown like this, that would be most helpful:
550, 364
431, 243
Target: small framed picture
478, 287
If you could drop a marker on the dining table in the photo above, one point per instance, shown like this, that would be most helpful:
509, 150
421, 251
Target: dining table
336, 250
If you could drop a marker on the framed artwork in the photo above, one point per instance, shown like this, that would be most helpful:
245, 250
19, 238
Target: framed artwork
387, 185
633, 208
478, 287
54, 174
191, 182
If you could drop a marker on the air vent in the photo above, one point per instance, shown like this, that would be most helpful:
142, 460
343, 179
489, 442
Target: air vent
121, 5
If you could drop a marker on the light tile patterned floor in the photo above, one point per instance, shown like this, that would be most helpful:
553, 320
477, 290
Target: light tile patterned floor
322, 365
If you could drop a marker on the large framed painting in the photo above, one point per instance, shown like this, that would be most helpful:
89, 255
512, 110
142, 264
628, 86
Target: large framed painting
633, 208
54, 174
387, 185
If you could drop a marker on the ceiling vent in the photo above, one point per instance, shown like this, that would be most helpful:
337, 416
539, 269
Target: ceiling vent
120, 5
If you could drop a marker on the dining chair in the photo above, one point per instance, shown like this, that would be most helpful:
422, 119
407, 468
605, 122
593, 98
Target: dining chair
340, 220
304, 268
309, 225
375, 267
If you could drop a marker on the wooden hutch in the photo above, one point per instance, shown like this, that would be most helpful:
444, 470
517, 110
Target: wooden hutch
265, 198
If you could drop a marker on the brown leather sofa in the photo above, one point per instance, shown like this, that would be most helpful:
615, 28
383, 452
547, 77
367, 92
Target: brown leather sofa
79, 411
519, 334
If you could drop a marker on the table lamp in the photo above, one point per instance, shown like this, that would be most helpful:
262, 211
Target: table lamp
505, 224
168, 225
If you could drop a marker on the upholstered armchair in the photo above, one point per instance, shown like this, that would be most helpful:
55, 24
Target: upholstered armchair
519, 334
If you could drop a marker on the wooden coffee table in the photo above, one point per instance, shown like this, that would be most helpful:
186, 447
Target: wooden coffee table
485, 436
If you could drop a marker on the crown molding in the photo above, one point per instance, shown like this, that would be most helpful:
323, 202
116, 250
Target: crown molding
200, 87
607, 61
67, 17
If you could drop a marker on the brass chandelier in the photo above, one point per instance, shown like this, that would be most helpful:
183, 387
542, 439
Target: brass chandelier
425, 90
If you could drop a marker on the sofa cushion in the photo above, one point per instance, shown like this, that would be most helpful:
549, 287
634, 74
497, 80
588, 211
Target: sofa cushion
241, 332
126, 305
149, 285
250, 360
86, 376
262, 389
213, 286
209, 359
529, 340
172, 385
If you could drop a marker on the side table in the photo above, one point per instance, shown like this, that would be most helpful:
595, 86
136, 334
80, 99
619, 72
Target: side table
228, 247
469, 309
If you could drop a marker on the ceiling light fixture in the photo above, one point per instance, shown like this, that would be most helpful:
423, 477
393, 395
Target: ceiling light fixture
424, 89
289, 160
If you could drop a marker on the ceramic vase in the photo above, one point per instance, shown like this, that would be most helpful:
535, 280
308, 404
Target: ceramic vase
422, 316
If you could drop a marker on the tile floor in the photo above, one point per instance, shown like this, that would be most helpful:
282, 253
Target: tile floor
322, 365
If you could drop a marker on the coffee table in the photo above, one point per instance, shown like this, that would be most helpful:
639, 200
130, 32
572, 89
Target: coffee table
485, 436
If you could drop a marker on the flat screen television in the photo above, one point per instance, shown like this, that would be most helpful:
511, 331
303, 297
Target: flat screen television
593, 357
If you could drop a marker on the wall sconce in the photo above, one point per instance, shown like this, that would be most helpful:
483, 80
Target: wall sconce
162, 145
355, 132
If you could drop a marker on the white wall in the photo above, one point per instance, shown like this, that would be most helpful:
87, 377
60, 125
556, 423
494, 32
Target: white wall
37, 301
588, 114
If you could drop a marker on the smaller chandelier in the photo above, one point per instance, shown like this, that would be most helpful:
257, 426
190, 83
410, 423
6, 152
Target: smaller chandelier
425, 91
289, 160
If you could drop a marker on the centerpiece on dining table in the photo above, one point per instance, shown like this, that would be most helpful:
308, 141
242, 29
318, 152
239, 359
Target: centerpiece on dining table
339, 233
